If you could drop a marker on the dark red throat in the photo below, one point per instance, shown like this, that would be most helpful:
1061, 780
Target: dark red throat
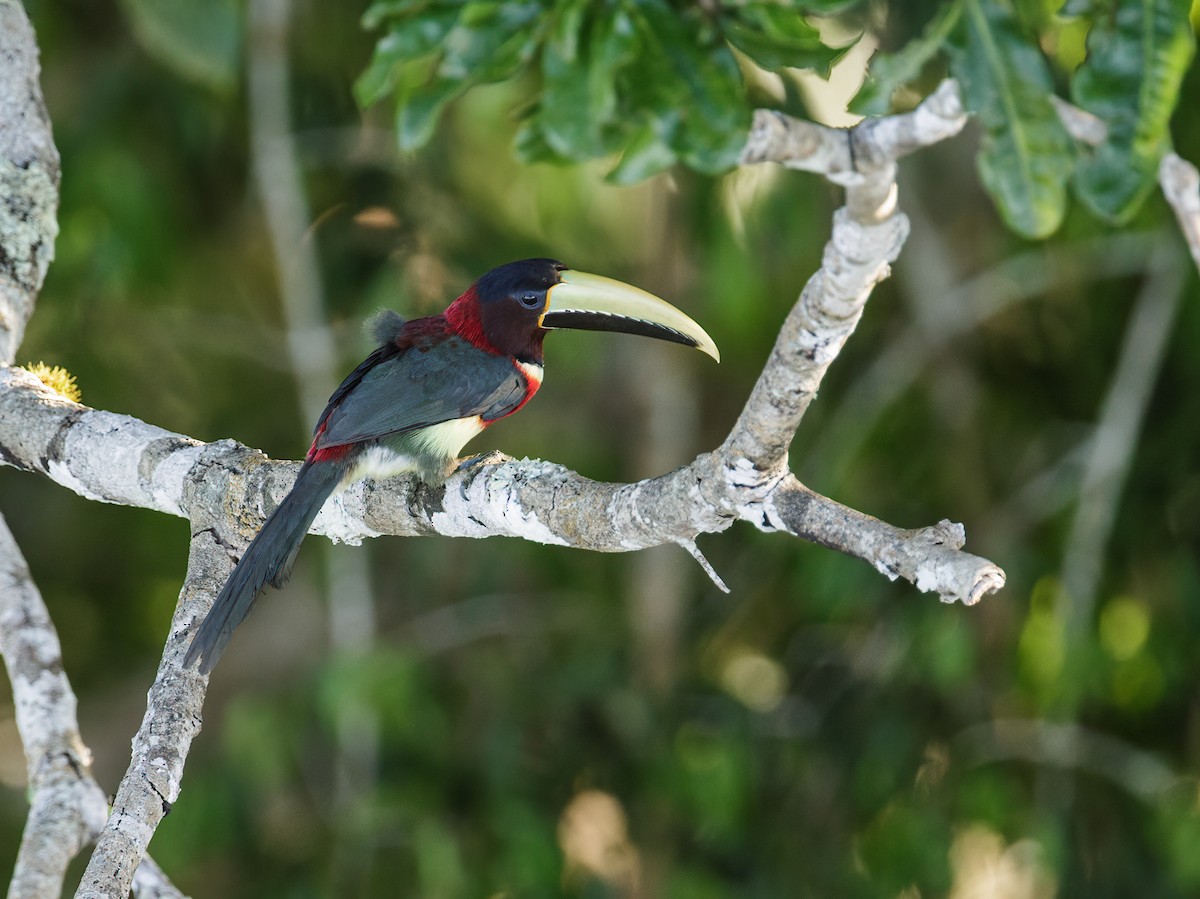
464, 320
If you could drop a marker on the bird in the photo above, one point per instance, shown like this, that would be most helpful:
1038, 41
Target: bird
431, 385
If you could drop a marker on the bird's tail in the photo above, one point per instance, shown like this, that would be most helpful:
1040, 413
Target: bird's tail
268, 558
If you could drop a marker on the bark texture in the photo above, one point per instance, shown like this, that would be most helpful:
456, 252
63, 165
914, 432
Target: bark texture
29, 175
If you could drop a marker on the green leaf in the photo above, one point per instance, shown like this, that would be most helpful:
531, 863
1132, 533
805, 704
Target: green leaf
531, 146
491, 40
418, 111
778, 37
1025, 156
580, 60
1038, 15
650, 77
199, 39
1131, 79
646, 155
406, 40
889, 71
381, 10
695, 91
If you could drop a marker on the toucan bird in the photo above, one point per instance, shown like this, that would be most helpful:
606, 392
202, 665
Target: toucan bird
431, 385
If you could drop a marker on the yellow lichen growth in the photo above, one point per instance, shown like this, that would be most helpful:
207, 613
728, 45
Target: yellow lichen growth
56, 378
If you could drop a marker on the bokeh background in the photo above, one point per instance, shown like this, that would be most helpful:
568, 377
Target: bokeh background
455, 718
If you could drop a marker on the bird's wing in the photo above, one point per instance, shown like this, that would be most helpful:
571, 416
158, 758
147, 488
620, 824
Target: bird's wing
397, 390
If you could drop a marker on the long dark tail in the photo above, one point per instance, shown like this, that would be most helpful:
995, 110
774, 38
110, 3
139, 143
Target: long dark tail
268, 558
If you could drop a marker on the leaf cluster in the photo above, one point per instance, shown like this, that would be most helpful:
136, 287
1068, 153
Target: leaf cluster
655, 81
1135, 55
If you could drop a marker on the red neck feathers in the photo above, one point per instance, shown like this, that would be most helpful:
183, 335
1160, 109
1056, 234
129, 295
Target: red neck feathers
464, 320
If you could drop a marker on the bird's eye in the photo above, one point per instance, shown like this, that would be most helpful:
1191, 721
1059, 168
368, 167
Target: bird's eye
530, 300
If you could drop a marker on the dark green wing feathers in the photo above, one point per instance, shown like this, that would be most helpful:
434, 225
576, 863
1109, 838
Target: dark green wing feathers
426, 383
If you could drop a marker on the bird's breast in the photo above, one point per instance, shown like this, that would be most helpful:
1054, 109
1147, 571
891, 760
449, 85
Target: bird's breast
428, 451
445, 440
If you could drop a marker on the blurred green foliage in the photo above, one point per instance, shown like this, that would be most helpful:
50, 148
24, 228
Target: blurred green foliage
659, 81
821, 732
656, 80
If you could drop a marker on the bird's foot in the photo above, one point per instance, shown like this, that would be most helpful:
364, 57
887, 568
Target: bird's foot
495, 457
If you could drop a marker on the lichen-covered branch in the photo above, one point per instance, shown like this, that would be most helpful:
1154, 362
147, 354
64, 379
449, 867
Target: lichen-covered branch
68, 808
868, 233
172, 720
29, 173
115, 458
930, 558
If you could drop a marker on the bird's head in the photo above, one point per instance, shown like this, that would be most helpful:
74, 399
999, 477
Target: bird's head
512, 307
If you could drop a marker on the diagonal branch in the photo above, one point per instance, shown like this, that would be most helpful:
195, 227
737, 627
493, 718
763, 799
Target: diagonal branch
868, 233
152, 783
1115, 439
928, 557
68, 808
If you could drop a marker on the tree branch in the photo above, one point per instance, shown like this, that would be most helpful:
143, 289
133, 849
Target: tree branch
68, 808
1181, 186
868, 233
172, 720
928, 557
531, 499
29, 175
1066, 745
1115, 439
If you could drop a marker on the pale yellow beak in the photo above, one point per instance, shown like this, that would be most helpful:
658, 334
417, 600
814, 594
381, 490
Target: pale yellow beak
594, 303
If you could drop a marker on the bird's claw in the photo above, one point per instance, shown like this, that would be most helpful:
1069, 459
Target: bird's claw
494, 457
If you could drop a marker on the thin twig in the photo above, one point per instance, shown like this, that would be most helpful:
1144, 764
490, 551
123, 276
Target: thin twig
313, 356
1115, 440
1059, 745
160, 747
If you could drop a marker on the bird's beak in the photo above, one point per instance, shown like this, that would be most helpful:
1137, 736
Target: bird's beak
594, 303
